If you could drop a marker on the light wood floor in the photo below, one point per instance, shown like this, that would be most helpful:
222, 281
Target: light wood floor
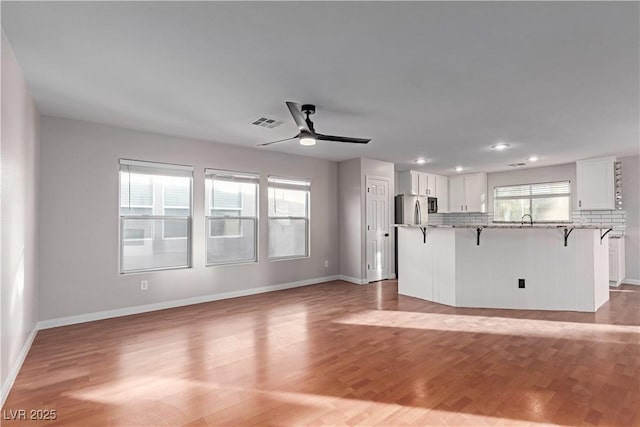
339, 354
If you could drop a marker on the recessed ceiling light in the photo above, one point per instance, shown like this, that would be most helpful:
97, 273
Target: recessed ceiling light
534, 158
420, 161
500, 146
459, 168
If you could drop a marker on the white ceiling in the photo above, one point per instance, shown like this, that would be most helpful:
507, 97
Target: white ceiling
440, 80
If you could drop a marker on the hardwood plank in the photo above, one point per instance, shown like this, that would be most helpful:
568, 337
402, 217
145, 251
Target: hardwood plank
339, 354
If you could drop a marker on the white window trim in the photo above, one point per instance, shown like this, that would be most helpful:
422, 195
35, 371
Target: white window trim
182, 170
306, 218
210, 175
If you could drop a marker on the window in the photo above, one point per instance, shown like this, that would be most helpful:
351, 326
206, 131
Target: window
155, 216
231, 216
288, 217
546, 202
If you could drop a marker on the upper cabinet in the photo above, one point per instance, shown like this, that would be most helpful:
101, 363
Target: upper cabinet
468, 193
419, 183
596, 183
442, 192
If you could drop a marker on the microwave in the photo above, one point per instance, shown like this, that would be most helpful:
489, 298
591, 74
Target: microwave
432, 204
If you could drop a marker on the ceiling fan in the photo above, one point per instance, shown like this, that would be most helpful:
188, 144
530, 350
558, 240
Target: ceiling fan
307, 134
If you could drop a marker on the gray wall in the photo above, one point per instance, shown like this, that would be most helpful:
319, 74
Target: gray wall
351, 213
631, 204
562, 172
79, 219
352, 208
19, 152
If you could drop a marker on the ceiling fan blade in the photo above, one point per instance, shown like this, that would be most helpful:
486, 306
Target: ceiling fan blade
321, 137
296, 112
276, 142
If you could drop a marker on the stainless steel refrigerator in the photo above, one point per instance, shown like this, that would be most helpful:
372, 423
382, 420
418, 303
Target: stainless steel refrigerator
409, 210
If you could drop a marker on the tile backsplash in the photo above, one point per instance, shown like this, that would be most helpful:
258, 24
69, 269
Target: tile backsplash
459, 218
615, 218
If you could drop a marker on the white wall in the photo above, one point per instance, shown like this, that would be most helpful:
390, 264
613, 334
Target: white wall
562, 172
79, 219
19, 152
631, 205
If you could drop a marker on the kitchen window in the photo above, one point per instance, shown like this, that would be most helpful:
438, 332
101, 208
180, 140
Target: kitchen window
288, 217
231, 216
155, 216
545, 202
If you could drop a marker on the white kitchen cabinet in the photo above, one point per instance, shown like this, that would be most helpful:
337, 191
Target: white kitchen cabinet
616, 261
596, 185
431, 184
456, 193
409, 182
442, 193
468, 193
423, 185
418, 183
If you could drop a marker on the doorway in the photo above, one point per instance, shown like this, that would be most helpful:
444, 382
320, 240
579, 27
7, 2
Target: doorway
377, 228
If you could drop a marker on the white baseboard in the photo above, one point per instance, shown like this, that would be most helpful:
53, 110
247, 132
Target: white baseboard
631, 282
360, 281
90, 317
13, 371
352, 279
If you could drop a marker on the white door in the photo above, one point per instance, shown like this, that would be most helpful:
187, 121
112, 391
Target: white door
377, 228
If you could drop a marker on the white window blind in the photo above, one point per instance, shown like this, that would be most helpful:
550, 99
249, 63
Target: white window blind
155, 216
231, 217
545, 202
288, 217
544, 189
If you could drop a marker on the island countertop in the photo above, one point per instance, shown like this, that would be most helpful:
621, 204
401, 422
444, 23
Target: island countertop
514, 226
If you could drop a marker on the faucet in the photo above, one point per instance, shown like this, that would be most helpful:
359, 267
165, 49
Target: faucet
530, 219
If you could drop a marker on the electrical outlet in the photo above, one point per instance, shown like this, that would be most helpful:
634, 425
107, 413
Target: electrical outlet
326, 263
144, 285
521, 283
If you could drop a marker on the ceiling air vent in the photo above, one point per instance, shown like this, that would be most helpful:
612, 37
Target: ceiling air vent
266, 122
517, 165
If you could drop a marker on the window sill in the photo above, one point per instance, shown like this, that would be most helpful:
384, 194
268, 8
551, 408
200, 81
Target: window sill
153, 270
222, 264
289, 258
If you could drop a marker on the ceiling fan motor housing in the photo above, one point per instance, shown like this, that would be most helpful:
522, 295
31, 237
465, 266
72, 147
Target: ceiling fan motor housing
308, 109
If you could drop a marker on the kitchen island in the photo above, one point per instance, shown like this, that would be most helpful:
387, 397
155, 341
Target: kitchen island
564, 267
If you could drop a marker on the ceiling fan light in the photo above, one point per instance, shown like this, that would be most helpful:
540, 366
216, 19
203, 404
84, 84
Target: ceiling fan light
307, 140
